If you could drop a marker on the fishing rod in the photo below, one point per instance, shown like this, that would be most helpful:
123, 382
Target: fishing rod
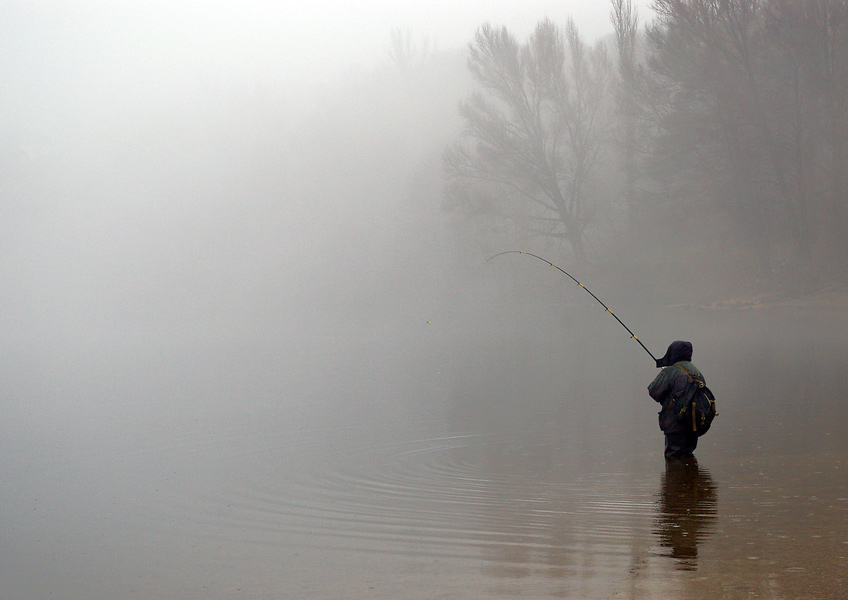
633, 335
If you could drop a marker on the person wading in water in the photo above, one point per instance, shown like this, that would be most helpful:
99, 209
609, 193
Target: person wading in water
677, 368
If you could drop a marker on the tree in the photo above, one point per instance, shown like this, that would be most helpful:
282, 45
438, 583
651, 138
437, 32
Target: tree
733, 123
812, 37
403, 52
755, 115
533, 132
626, 25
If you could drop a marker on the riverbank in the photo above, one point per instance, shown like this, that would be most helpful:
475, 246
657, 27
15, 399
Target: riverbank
833, 298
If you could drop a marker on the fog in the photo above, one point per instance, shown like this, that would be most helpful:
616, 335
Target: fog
248, 350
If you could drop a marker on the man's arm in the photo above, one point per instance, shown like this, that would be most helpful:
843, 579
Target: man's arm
660, 386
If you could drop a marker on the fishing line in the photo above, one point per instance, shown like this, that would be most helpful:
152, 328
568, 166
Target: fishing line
633, 335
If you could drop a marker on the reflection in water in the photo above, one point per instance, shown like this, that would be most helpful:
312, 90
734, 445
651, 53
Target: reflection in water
532, 473
687, 510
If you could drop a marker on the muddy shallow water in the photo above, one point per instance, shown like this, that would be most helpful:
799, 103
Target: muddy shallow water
512, 460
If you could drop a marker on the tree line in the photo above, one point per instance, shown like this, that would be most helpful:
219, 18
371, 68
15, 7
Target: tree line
719, 127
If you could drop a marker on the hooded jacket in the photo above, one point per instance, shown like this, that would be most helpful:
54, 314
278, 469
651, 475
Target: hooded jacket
676, 352
671, 383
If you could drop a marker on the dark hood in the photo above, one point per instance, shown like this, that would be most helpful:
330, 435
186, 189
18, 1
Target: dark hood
676, 352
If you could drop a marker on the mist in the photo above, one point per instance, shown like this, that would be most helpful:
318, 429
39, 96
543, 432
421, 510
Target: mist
251, 346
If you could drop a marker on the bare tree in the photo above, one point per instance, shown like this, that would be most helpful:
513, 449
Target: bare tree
811, 36
403, 52
533, 132
626, 25
728, 93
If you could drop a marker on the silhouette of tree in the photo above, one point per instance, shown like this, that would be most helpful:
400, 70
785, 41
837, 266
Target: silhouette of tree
533, 131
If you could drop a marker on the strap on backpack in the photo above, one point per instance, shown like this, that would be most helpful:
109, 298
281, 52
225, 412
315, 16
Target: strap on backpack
691, 378
701, 384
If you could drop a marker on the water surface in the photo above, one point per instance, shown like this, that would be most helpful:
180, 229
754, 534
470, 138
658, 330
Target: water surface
414, 460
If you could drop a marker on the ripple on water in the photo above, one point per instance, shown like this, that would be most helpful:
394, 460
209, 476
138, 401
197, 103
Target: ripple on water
439, 496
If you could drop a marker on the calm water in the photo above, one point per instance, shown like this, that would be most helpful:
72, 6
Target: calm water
519, 459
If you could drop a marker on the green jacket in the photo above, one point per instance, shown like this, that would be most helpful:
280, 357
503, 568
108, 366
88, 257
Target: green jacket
671, 383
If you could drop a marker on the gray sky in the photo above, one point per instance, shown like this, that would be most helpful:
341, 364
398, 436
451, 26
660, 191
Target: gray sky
79, 57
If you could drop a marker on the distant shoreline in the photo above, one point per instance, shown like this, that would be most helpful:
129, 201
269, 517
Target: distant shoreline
826, 299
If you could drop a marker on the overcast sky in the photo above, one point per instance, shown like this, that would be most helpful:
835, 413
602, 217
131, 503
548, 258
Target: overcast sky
62, 58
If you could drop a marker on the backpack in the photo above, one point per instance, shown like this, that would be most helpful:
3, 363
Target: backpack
696, 408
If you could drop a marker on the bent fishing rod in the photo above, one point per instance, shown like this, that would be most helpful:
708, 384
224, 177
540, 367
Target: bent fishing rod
544, 260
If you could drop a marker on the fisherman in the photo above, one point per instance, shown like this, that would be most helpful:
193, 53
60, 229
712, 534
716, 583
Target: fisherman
671, 383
